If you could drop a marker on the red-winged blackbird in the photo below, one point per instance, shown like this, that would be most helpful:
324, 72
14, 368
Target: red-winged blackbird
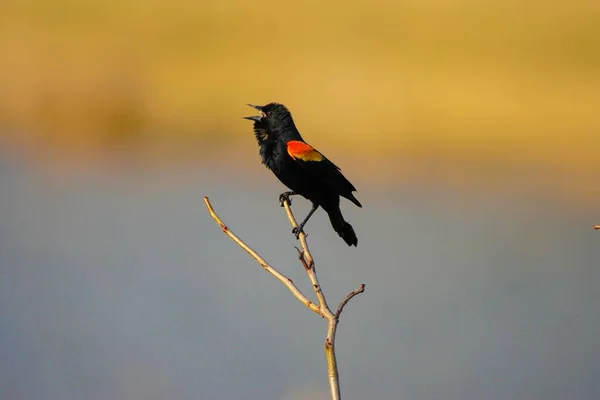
302, 168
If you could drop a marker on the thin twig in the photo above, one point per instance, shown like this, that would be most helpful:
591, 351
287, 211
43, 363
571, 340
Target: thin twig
353, 293
302, 236
282, 278
308, 263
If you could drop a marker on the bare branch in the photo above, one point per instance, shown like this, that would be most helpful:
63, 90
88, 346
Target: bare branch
353, 293
282, 278
302, 236
309, 265
597, 227
322, 308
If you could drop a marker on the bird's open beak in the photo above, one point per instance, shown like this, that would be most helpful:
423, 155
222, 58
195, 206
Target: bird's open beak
256, 118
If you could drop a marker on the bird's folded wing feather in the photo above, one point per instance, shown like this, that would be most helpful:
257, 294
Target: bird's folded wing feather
318, 165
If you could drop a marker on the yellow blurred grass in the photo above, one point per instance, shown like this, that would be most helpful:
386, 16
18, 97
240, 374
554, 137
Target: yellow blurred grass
510, 82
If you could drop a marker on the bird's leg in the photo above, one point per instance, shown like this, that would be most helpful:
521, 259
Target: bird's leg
285, 196
298, 230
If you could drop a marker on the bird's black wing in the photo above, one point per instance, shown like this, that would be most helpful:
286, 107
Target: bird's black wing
321, 168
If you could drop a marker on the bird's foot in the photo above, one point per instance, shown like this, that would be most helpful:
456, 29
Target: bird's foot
297, 231
286, 196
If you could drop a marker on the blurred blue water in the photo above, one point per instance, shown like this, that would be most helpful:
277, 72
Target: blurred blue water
119, 286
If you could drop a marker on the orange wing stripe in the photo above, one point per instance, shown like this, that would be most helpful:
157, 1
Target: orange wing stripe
302, 151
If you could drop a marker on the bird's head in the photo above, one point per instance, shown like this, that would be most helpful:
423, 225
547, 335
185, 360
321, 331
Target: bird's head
274, 119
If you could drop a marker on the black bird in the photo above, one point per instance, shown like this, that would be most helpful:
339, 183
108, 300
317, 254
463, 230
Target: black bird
303, 169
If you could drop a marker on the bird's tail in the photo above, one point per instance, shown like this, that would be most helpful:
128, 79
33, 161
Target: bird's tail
342, 228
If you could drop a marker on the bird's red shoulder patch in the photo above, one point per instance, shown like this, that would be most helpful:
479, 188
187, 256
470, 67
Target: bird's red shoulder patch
302, 151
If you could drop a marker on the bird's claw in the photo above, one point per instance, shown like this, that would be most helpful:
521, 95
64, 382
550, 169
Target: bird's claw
297, 231
283, 197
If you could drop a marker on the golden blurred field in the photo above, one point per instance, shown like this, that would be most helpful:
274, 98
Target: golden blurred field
493, 83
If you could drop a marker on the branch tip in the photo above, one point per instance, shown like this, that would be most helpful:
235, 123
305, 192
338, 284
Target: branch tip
353, 293
597, 227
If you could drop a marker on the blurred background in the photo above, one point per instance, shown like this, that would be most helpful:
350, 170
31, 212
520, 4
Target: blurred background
470, 128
